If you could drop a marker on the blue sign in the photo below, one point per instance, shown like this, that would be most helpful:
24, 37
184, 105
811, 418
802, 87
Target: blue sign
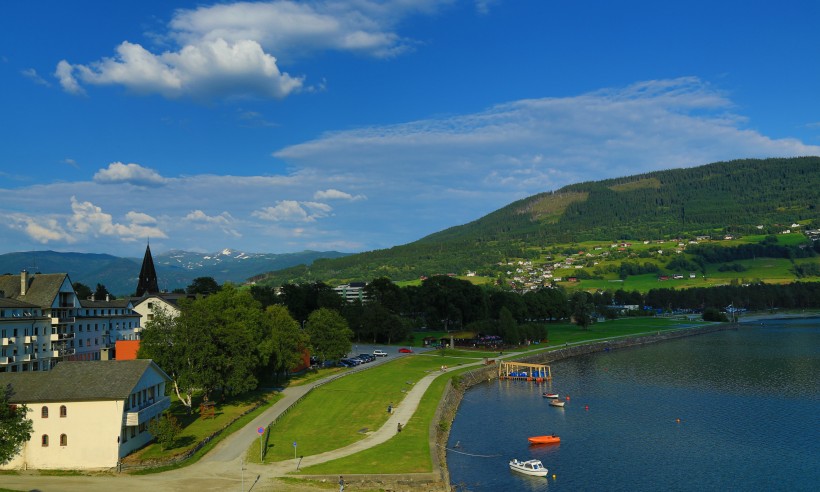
294, 444
261, 430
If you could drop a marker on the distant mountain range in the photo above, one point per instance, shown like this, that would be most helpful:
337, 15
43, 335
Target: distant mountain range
175, 269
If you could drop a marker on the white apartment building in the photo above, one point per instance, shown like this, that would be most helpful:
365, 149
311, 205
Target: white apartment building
42, 321
87, 415
354, 291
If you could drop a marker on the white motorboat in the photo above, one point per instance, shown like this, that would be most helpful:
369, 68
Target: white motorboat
529, 467
556, 403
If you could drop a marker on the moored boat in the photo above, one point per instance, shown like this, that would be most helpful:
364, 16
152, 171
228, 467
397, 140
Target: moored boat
556, 403
553, 439
550, 395
529, 467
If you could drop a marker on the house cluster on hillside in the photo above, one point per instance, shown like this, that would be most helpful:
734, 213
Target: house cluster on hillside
71, 362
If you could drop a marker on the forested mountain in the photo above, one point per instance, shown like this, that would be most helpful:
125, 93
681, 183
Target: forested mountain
735, 197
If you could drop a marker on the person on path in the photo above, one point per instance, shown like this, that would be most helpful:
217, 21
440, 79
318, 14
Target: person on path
341, 484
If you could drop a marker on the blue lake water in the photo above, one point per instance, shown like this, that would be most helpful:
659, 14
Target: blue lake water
748, 401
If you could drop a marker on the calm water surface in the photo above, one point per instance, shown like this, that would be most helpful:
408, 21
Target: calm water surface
748, 401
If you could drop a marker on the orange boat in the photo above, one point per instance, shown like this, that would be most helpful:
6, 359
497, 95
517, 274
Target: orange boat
553, 439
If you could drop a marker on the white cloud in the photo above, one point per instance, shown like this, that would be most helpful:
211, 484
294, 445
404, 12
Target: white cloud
293, 211
40, 229
202, 221
139, 218
231, 50
331, 194
533, 145
32, 74
65, 75
89, 220
134, 174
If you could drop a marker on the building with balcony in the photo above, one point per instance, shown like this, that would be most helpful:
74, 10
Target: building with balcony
42, 321
87, 415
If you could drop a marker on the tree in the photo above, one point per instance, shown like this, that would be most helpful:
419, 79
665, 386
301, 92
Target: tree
581, 306
330, 337
83, 291
284, 341
508, 327
165, 430
101, 292
167, 343
15, 428
203, 285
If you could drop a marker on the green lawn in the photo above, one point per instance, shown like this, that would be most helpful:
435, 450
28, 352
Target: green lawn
341, 412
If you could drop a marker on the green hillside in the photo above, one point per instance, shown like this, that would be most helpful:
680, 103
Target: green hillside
735, 198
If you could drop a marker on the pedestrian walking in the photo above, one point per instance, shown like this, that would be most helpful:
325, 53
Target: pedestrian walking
341, 484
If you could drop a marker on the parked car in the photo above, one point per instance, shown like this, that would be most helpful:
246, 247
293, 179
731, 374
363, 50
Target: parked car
405, 350
379, 353
366, 357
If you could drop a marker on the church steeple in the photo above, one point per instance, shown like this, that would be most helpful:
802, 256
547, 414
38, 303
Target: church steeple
148, 275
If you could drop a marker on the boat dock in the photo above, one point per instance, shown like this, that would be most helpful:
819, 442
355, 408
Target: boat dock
524, 371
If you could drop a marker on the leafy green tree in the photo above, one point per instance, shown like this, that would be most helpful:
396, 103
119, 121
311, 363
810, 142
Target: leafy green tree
230, 323
203, 285
15, 428
330, 337
386, 293
284, 341
170, 345
101, 292
83, 291
509, 327
581, 306
165, 430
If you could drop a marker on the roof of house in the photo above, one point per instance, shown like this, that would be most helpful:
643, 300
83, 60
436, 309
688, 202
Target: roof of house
79, 381
5, 302
113, 303
41, 291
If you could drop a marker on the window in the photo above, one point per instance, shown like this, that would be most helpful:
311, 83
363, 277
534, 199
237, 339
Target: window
44, 414
63, 411
44, 440
63, 440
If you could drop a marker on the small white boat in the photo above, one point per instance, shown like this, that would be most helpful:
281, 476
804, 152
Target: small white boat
551, 395
556, 403
529, 467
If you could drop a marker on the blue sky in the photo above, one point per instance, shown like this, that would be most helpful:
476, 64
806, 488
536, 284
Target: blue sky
354, 125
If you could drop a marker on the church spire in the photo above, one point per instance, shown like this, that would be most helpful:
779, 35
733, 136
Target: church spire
148, 275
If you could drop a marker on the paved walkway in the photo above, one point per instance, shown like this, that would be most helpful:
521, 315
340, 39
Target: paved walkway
223, 468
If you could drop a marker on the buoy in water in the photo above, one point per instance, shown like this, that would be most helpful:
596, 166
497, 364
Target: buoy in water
553, 476
677, 420
586, 407
567, 398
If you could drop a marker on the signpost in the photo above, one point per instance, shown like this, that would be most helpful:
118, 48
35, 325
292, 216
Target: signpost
261, 431
294, 449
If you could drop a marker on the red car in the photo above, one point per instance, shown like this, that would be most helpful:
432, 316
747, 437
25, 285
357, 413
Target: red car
405, 351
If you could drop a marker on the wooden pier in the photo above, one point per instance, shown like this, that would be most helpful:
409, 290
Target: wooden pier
524, 371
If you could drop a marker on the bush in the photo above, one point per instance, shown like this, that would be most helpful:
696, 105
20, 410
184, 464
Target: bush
713, 314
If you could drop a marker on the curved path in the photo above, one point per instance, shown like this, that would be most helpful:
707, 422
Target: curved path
223, 468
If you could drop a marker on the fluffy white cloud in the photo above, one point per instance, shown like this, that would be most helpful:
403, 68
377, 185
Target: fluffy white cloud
66, 77
89, 220
331, 194
117, 173
202, 221
293, 211
40, 229
231, 49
